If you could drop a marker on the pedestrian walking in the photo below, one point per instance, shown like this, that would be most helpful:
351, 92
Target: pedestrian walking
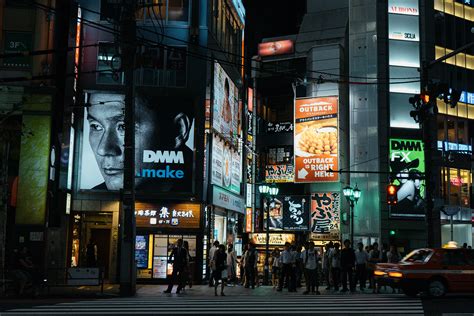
362, 258
335, 258
276, 264
212, 251
251, 260
188, 272
374, 258
310, 263
231, 265
179, 259
220, 271
347, 266
242, 265
287, 261
327, 264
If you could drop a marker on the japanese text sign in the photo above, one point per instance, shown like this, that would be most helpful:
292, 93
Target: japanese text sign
325, 216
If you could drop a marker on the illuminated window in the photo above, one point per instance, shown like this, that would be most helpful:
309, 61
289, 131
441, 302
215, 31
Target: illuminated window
461, 60
463, 11
163, 10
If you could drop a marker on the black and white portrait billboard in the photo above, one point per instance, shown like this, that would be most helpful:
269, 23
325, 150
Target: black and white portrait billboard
164, 143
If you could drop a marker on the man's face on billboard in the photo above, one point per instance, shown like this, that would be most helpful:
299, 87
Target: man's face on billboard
106, 136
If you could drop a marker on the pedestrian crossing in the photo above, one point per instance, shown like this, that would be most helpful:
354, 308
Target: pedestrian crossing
241, 304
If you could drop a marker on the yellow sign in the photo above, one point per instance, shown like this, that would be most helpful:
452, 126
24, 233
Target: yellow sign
275, 239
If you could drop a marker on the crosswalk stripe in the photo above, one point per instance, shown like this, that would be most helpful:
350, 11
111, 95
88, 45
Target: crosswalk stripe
235, 305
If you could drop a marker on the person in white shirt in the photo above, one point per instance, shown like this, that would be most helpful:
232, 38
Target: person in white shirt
362, 258
287, 260
335, 258
275, 267
310, 263
212, 252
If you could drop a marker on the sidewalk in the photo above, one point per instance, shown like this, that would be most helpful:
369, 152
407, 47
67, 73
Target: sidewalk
113, 290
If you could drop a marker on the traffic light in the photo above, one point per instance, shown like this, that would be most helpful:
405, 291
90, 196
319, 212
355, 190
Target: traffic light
424, 105
391, 194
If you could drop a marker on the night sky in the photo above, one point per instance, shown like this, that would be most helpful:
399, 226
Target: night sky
269, 18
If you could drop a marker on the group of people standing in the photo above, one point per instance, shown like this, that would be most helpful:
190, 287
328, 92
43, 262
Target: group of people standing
343, 267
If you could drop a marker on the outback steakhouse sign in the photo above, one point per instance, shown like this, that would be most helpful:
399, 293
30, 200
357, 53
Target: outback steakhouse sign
316, 139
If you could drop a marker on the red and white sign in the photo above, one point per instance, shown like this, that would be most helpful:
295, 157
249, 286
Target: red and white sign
316, 139
407, 7
276, 48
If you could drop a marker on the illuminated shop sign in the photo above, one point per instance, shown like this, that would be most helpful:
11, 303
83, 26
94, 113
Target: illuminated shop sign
448, 146
326, 216
276, 48
282, 127
182, 215
279, 173
467, 97
227, 200
316, 139
407, 7
275, 239
407, 169
403, 27
288, 213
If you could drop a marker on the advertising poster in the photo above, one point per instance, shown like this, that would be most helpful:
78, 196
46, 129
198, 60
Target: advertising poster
325, 216
226, 165
316, 139
164, 143
279, 173
288, 213
407, 170
33, 170
225, 115
141, 251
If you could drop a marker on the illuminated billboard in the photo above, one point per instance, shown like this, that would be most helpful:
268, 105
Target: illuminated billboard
164, 143
226, 116
407, 169
326, 216
226, 165
276, 48
288, 212
316, 138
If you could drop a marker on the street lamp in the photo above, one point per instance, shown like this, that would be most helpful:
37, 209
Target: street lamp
267, 191
352, 196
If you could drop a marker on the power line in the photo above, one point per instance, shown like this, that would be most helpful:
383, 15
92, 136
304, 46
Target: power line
144, 42
239, 56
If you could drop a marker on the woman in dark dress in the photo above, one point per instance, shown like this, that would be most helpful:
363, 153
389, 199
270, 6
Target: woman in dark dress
220, 259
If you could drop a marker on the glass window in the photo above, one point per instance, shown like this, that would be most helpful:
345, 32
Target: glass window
400, 111
404, 86
454, 258
402, 53
465, 177
470, 257
441, 135
107, 61
420, 255
451, 130
178, 10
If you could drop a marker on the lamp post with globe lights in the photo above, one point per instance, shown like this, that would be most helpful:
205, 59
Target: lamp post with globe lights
352, 196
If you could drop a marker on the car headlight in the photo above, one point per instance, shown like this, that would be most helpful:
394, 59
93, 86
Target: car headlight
379, 273
395, 274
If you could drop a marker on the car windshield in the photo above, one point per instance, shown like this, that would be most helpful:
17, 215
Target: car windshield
419, 255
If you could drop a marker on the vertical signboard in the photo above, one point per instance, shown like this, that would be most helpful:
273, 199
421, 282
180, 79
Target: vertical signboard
407, 169
289, 213
325, 216
316, 139
226, 165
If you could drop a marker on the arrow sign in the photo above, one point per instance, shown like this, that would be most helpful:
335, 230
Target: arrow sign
302, 173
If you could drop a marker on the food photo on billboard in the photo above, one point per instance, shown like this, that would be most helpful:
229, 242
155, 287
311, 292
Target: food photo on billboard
164, 143
316, 139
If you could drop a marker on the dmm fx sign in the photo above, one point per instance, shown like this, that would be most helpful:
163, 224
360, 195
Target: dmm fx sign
227, 200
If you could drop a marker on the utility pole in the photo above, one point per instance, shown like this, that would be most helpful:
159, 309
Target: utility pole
128, 47
429, 138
